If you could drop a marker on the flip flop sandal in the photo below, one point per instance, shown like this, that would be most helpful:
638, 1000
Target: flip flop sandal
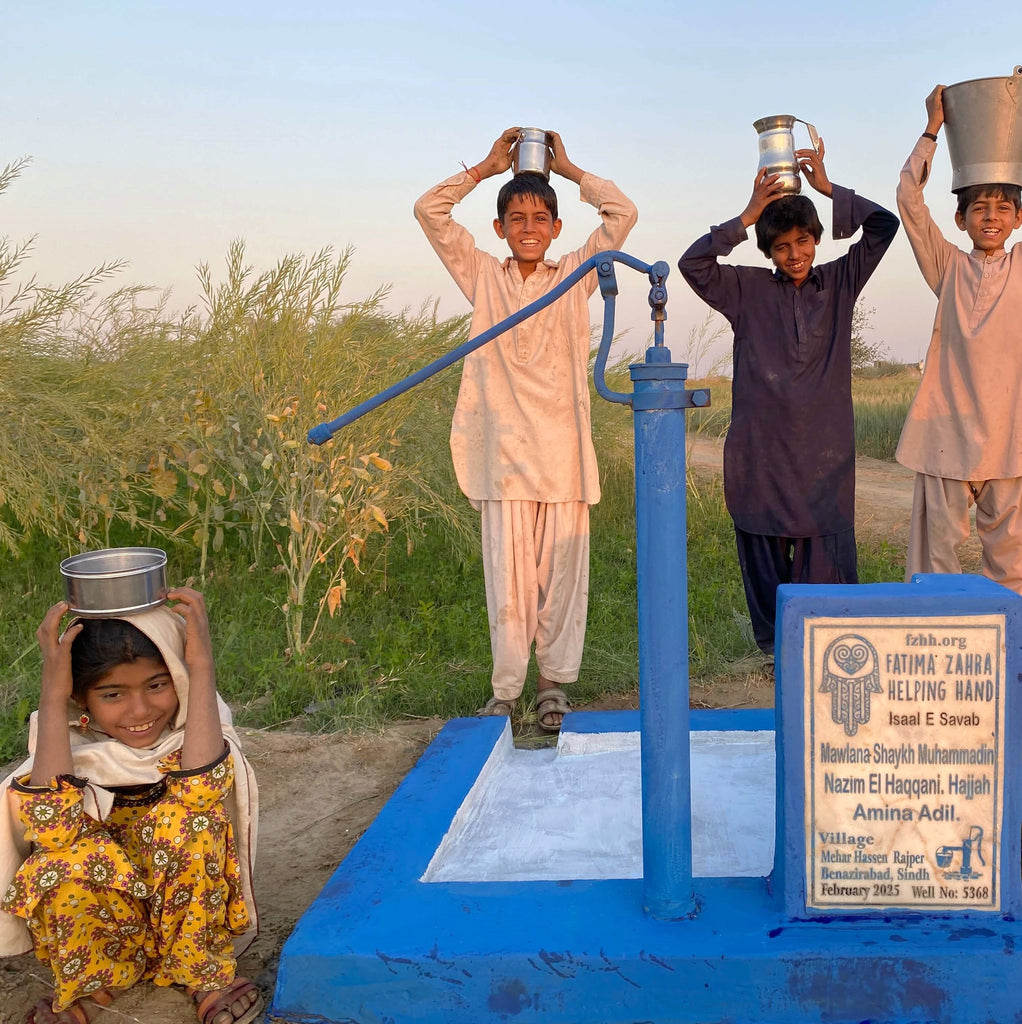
497, 706
551, 701
220, 1000
73, 1014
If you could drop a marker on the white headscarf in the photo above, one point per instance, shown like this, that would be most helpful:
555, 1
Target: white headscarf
106, 762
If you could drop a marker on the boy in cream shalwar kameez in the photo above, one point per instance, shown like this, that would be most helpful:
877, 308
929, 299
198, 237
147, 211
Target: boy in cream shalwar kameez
521, 435
963, 433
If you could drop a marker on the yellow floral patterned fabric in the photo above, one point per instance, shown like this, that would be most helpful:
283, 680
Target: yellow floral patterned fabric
153, 892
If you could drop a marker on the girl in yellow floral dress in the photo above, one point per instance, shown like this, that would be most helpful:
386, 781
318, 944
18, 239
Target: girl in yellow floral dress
129, 832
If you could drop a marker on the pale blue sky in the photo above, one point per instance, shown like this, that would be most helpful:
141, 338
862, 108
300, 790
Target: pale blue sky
159, 132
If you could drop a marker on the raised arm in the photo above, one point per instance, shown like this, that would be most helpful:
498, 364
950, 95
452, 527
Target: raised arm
452, 243
931, 249
204, 739
879, 226
560, 164
715, 283
618, 214
53, 744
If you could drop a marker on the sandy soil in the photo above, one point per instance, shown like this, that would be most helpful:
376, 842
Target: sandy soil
318, 794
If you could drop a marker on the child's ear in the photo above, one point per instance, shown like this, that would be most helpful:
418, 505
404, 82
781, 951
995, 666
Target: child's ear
556, 228
960, 220
1018, 217
498, 227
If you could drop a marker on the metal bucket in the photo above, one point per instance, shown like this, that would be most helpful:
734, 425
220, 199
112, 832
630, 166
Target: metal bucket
983, 121
115, 581
777, 149
532, 152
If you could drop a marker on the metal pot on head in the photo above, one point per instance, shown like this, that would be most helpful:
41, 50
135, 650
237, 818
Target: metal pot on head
115, 581
983, 124
777, 149
533, 152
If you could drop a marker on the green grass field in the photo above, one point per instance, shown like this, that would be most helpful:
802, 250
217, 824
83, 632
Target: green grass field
344, 582
410, 638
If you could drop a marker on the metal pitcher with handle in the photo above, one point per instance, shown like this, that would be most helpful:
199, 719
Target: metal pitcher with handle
777, 149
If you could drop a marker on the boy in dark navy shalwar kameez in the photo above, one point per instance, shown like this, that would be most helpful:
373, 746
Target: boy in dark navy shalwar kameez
789, 456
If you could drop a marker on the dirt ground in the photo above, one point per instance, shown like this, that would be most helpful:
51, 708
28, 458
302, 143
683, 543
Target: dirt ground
318, 794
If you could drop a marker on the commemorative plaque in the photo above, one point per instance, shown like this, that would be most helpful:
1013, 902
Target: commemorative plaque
904, 766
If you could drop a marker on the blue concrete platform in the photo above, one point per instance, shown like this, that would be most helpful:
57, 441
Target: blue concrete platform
382, 946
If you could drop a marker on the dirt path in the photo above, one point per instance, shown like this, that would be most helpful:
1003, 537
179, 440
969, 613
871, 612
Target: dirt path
318, 794
883, 497
883, 490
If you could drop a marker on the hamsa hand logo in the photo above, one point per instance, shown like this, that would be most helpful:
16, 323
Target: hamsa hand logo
851, 672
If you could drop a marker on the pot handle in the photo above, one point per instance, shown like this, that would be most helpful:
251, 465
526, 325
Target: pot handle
814, 137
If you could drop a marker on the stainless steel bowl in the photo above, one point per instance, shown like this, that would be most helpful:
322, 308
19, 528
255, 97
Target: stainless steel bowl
115, 581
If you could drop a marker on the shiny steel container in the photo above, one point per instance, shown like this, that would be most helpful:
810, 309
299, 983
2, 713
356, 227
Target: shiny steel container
777, 149
983, 123
115, 581
532, 152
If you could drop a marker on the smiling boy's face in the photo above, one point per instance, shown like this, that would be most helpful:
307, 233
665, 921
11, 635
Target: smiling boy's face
793, 253
529, 228
988, 221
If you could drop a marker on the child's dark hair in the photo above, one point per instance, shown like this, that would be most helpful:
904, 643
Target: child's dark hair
528, 183
968, 195
101, 646
784, 214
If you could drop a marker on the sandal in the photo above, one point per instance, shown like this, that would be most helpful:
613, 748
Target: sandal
551, 701
208, 1005
497, 706
43, 1012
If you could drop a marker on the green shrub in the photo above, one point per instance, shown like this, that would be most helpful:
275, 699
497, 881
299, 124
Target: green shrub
344, 582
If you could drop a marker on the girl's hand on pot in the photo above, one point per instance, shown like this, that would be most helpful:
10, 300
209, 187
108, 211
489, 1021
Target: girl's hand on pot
56, 681
198, 654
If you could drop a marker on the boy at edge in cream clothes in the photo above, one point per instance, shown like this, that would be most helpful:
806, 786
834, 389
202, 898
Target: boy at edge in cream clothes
521, 436
963, 433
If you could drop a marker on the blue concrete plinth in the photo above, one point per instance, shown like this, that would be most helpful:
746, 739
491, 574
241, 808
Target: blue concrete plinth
379, 945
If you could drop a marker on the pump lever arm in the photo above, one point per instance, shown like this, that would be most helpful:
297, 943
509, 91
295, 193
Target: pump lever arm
324, 431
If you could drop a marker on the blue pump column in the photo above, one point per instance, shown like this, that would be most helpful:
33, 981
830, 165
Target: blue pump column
658, 402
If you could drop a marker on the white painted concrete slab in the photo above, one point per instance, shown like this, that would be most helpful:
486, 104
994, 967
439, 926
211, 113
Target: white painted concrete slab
576, 813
